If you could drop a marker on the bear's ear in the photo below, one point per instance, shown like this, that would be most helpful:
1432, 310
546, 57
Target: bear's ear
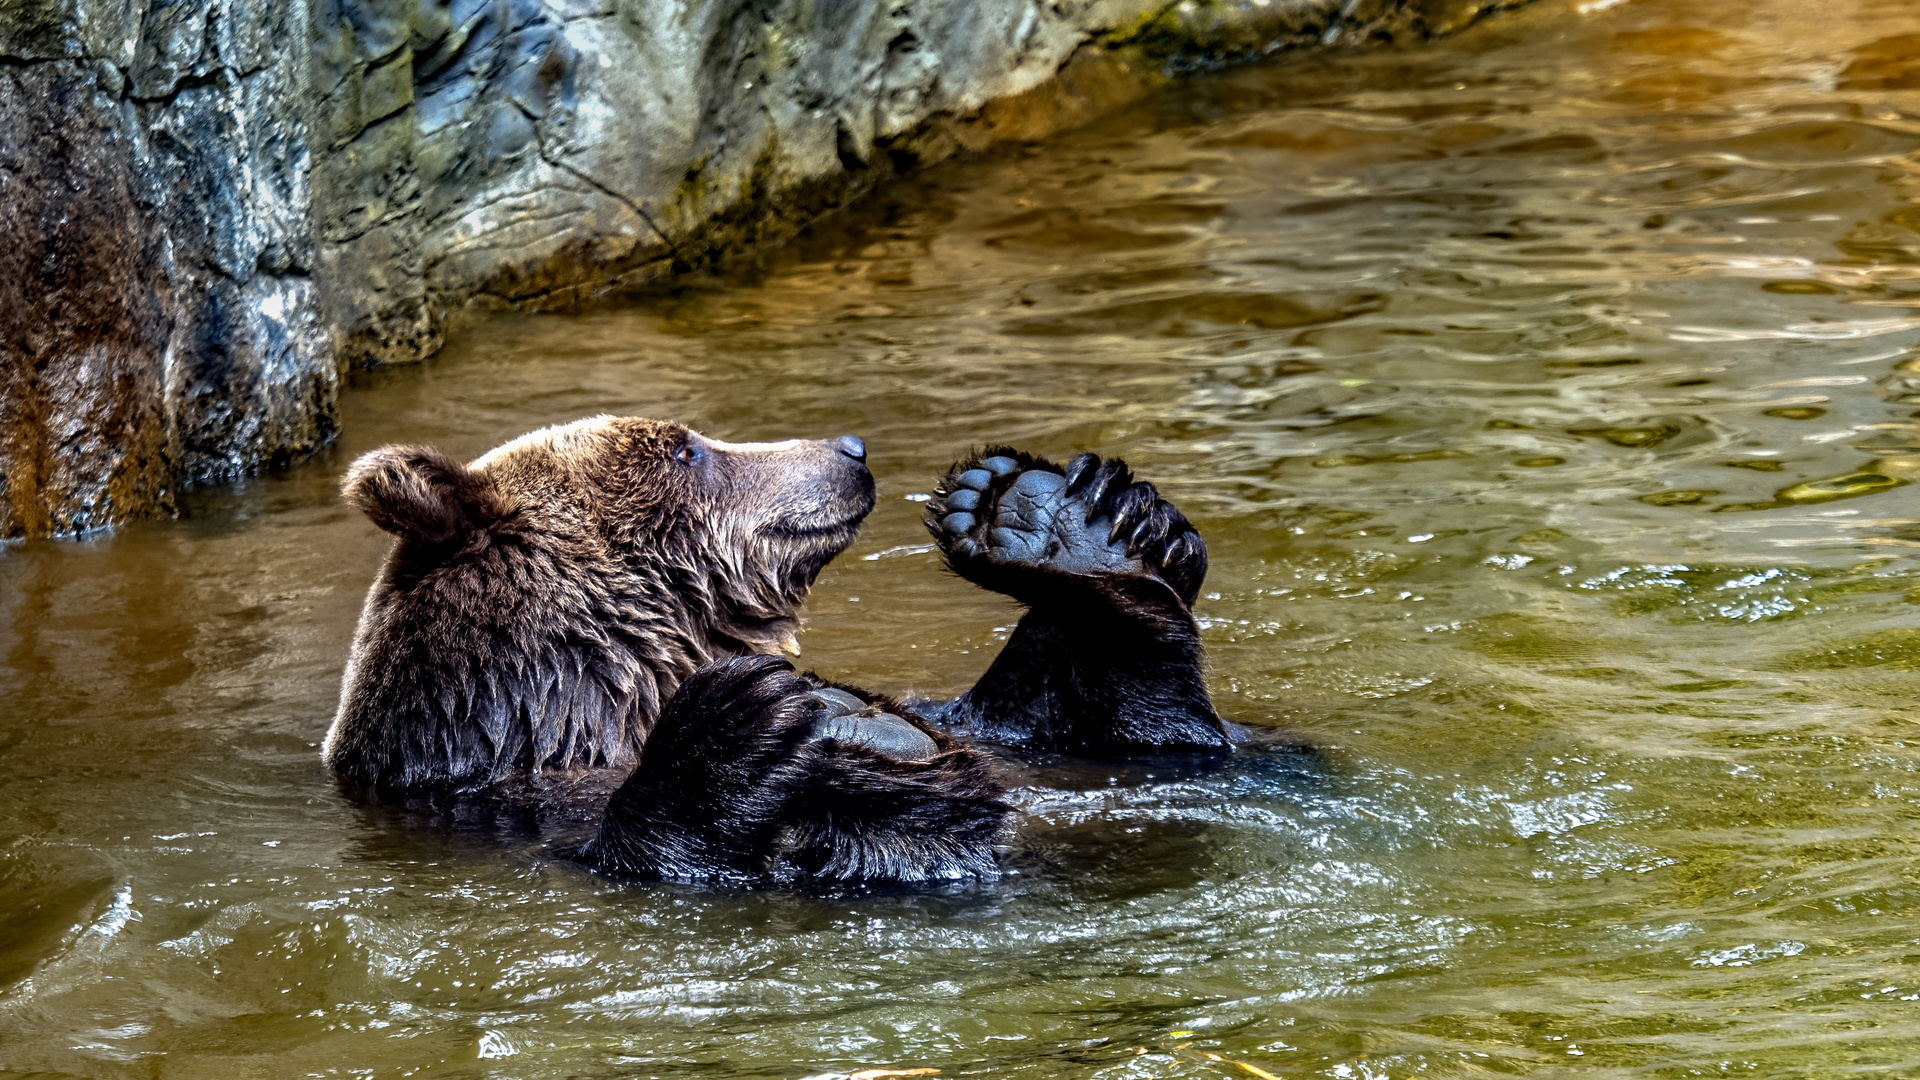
419, 493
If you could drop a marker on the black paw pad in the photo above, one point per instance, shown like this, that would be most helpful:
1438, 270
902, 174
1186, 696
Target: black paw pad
1085, 520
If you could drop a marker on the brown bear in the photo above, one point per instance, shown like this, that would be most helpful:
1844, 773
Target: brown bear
600, 599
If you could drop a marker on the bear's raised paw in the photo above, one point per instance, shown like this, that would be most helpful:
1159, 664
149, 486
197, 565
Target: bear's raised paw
1005, 510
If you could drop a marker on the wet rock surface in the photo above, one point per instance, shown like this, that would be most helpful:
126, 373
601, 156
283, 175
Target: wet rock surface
158, 317
210, 208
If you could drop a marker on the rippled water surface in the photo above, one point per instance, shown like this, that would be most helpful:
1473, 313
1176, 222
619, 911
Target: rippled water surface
1547, 399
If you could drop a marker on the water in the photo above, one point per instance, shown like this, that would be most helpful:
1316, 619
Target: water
1547, 398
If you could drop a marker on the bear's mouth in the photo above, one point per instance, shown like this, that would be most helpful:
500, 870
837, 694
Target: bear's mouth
790, 530
810, 545
838, 521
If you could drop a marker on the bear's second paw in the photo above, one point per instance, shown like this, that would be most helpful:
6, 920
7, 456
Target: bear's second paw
754, 770
1089, 520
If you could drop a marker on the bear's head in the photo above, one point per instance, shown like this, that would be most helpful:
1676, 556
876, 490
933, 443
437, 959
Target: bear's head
541, 602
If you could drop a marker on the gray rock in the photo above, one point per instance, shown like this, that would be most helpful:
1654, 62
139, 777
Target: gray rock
210, 208
158, 316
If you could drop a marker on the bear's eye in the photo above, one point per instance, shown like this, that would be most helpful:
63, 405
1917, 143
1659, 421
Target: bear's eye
688, 453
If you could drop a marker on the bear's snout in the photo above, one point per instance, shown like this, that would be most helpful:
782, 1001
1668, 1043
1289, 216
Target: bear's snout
800, 487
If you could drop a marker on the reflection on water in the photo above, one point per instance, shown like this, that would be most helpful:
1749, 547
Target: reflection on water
1548, 402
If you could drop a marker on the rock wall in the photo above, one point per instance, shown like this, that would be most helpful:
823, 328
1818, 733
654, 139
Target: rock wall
158, 316
210, 208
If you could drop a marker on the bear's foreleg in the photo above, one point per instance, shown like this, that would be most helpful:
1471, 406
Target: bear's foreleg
714, 776
755, 773
1107, 661
866, 817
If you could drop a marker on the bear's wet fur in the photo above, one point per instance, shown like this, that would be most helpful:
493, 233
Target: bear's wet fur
544, 607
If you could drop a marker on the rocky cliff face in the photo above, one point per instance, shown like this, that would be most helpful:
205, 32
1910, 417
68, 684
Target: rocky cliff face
210, 208
158, 315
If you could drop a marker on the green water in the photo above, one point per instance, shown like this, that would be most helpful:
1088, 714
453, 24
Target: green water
1547, 400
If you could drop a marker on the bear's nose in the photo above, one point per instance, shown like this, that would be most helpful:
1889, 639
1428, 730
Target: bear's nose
851, 446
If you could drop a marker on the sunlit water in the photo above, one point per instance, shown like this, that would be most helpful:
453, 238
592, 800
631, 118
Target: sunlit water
1545, 397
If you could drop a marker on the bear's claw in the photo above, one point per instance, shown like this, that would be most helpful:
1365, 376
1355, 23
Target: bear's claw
1007, 509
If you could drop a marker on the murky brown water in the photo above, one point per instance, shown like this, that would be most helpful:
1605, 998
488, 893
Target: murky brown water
1545, 397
